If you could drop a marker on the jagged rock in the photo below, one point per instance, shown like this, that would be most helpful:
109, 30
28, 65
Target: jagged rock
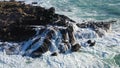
71, 34
42, 49
19, 21
19, 14
46, 43
97, 26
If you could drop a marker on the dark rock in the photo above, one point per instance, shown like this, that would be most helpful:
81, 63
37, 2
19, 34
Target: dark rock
103, 25
18, 22
36, 54
51, 11
15, 33
64, 34
44, 47
92, 44
75, 47
96, 26
50, 34
71, 34
54, 54
34, 2
89, 41
13, 15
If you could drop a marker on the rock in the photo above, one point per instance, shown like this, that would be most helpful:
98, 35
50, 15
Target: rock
15, 33
100, 32
46, 43
54, 54
97, 26
64, 34
13, 15
71, 34
51, 11
91, 43
36, 54
75, 47
35, 28
50, 34
42, 49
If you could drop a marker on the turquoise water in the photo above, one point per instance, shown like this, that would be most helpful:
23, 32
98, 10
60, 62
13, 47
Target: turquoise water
97, 9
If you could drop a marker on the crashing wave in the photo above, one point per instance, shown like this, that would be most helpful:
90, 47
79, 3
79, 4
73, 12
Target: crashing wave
36, 30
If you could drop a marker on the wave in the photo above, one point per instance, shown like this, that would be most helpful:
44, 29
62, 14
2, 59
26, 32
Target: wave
104, 55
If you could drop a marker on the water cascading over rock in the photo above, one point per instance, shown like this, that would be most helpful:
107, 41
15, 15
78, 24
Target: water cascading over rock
38, 30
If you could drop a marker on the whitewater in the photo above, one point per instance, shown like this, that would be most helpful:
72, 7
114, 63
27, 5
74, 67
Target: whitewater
106, 52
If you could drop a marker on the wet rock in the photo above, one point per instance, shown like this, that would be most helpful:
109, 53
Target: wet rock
92, 24
64, 34
42, 49
71, 34
97, 26
75, 47
35, 41
91, 43
19, 21
36, 54
46, 44
54, 54
13, 15
50, 34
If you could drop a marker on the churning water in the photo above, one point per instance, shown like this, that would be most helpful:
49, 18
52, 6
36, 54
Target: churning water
106, 53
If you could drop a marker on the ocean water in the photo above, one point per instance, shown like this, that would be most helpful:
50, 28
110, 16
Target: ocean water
98, 9
106, 53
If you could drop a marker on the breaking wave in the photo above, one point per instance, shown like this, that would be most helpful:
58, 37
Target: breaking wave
105, 54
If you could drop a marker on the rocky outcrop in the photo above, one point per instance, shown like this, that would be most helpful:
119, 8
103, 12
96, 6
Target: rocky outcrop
16, 18
40, 30
97, 26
